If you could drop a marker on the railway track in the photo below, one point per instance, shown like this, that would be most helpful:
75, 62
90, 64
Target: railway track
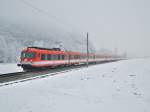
11, 78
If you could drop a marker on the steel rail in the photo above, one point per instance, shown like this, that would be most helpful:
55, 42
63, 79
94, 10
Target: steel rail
11, 78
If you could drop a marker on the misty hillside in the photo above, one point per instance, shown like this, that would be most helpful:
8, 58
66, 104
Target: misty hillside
14, 37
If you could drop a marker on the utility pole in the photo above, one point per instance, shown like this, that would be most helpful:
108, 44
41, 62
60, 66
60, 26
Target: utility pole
87, 49
116, 52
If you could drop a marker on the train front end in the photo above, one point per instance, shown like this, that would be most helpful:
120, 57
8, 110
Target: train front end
27, 59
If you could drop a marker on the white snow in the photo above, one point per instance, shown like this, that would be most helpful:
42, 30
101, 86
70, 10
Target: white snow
122, 86
9, 68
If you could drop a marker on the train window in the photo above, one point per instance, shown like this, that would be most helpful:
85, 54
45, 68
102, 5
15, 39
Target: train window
43, 57
72, 57
23, 54
94, 57
49, 57
28, 55
79, 57
76, 57
69, 57
59, 57
66, 57
55, 57
63, 57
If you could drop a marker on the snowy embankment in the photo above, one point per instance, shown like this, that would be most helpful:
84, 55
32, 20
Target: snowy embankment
9, 68
113, 87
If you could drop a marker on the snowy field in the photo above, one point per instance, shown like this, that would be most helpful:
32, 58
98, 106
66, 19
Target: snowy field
9, 68
113, 87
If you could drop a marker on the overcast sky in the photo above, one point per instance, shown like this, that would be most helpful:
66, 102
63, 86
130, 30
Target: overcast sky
122, 24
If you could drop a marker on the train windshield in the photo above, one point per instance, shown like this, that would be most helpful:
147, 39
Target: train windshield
28, 55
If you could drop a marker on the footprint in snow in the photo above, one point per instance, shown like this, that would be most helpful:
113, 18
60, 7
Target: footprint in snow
114, 81
86, 78
136, 94
132, 75
103, 75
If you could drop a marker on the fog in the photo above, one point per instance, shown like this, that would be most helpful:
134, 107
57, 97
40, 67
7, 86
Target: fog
112, 24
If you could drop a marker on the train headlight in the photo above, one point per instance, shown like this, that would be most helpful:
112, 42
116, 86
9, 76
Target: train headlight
25, 60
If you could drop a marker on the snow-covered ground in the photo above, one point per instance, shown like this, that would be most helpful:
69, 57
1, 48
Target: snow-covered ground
9, 68
122, 86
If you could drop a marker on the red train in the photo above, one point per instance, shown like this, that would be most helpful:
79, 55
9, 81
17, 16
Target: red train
35, 57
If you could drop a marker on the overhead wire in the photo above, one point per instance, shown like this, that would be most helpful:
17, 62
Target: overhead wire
29, 4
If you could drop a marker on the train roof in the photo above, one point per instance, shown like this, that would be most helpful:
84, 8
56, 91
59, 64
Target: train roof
54, 51
40, 48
